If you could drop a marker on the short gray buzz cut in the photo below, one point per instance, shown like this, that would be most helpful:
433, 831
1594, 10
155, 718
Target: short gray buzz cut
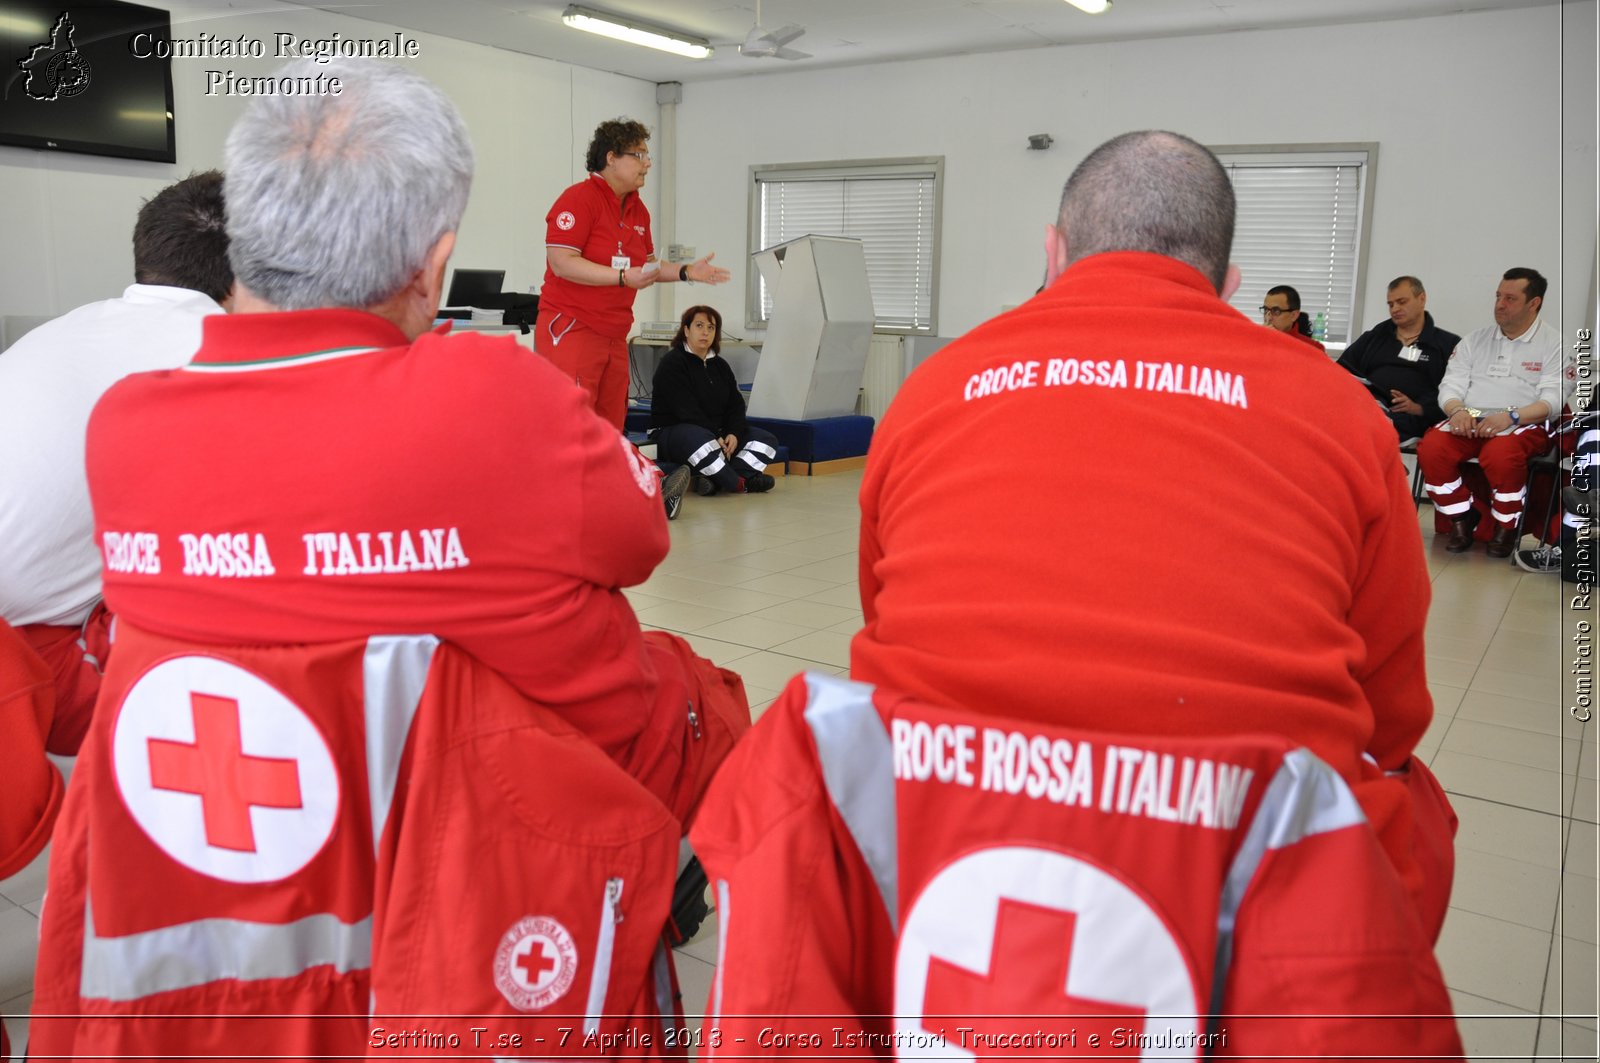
1151, 191
335, 200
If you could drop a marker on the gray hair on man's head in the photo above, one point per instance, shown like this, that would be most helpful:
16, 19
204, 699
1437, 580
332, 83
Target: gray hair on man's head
335, 200
1151, 191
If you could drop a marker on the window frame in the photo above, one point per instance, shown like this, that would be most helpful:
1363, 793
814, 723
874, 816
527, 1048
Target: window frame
1311, 154
845, 169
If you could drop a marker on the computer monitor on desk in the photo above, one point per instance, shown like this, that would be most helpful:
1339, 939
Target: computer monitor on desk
468, 287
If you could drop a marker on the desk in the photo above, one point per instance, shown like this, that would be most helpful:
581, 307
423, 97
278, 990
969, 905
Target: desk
644, 355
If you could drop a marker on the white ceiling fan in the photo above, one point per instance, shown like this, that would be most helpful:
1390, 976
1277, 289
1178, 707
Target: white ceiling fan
762, 43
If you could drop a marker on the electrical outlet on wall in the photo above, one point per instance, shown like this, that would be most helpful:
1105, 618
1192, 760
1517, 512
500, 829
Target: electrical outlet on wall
680, 253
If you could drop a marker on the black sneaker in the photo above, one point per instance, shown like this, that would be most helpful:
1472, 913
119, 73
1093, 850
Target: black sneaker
672, 489
704, 487
758, 483
1539, 559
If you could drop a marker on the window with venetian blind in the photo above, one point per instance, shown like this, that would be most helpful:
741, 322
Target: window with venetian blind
1303, 220
890, 205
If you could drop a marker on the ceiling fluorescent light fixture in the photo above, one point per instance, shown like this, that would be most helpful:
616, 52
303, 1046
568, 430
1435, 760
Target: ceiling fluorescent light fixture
633, 31
1092, 7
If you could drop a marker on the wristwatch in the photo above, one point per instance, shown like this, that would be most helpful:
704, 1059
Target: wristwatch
683, 274
1516, 416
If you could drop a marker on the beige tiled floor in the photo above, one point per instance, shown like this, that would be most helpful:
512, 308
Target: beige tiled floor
766, 586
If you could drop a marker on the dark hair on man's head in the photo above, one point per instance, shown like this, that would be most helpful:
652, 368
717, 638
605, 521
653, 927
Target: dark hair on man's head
681, 339
1151, 191
1537, 285
1302, 321
615, 135
1416, 285
181, 239
1288, 293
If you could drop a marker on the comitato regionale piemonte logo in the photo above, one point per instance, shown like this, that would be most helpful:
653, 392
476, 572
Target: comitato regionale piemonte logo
55, 69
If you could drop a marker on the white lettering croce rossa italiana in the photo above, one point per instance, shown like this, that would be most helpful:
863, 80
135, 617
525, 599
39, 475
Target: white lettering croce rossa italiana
367, 553
1175, 378
1193, 791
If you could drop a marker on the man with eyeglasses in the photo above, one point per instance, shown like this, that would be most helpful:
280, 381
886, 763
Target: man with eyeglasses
1402, 359
598, 253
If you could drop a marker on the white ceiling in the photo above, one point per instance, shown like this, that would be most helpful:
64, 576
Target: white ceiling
847, 32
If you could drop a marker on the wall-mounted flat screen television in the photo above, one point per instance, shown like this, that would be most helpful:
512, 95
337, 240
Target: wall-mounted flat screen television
91, 76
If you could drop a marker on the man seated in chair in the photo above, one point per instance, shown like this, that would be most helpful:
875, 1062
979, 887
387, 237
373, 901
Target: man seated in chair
1502, 387
328, 468
49, 381
1403, 359
1274, 585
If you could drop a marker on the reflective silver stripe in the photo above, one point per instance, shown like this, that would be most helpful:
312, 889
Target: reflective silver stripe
760, 449
1305, 798
1453, 485
209, 950
1511, 496
858, 769
707, 449
600, 977
724, 924
393, 672
714, 466
1453, 508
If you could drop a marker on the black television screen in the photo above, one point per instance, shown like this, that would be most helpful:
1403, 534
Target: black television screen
92, 76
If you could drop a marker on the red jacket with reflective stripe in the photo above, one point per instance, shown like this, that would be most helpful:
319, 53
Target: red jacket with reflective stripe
368, 834
1009, 885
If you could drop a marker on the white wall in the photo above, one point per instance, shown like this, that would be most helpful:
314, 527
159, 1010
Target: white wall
67, 219
1486, 148
1475, 126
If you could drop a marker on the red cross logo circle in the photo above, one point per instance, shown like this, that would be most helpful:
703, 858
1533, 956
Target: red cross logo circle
535, 963
1020, 931
645, 472
565, 220
222, 771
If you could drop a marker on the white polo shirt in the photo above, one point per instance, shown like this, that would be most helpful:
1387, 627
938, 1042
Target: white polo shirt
1489, 372
49, 381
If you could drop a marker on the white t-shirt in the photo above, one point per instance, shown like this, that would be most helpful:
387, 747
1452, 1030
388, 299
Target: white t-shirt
49, 381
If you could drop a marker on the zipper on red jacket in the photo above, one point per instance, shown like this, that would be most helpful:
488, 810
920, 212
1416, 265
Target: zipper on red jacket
694, 721
600, 980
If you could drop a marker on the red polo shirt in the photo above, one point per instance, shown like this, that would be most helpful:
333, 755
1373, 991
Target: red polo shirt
590, 219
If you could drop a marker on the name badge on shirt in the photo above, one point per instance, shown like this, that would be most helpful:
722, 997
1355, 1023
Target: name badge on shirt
1411, 353
621, 262
1499, 367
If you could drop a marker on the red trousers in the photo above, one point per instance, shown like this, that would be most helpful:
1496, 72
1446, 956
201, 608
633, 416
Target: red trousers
598, 363
75, 656
1505, 465
32, 785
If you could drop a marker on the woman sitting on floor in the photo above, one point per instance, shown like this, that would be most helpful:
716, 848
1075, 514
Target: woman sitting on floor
697, 413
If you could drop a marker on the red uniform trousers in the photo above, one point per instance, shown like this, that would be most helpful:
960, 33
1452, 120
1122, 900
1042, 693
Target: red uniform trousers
76, 656
1505, 465
33, 786
599, 364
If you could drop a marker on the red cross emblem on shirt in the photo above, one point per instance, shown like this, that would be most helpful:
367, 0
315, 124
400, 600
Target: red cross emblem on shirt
228, 781
1027, 980
537, 961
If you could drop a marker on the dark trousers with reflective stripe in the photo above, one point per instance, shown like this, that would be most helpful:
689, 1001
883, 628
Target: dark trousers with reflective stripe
698, 448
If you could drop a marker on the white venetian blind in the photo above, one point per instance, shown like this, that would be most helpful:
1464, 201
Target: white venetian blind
1299, 223
892, 209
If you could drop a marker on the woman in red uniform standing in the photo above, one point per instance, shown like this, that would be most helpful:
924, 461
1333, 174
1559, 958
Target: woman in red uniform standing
599, 253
